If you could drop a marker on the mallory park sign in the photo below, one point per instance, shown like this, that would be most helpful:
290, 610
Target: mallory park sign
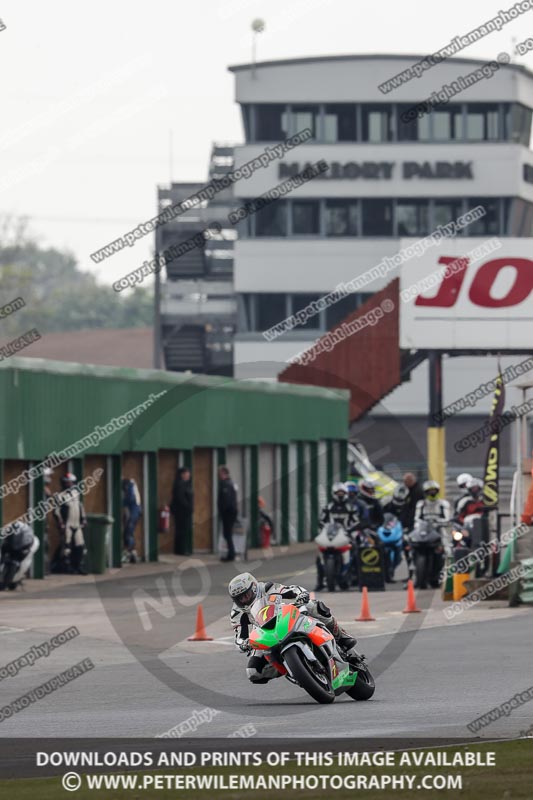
385, 170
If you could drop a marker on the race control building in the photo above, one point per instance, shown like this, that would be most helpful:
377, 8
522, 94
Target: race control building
394, 176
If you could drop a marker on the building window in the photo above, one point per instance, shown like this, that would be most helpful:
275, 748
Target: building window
341, 309
342, 218
447, 124
482, 122
414, 130
518, 124
518, 217
272, 219
299, 302
407, 131
425, 133
339, 123
305, 217
305, 117
490, 223
445, 211
271, 122
244, 311
376, 123
377, 217
412, 217
270, 309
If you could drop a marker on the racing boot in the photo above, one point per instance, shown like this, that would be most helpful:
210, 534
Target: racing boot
342, 637
321, 611
77, 560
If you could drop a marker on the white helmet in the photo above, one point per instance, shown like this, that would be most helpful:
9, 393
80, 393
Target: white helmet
431, 488
475, 486
243, 589
400, 493
367, 487
463, 480
337, 488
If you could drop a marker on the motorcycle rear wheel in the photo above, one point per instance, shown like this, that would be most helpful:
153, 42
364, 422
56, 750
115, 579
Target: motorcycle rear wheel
305, 676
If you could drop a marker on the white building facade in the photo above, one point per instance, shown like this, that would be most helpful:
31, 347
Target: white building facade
392, 179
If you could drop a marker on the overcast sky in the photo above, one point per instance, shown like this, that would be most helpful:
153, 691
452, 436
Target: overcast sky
91, 91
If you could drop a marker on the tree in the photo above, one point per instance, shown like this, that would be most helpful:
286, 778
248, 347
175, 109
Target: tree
57, 295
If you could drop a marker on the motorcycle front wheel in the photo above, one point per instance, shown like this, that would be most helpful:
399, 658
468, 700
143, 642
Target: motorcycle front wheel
421, 566
331, 570
364, 686
301, 670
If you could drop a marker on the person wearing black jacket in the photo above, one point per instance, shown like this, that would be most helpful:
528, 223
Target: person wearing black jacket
182, 506
397, 505
227, 509
416, 493
367, 493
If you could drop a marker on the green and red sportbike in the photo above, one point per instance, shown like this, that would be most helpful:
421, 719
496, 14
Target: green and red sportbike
305, 652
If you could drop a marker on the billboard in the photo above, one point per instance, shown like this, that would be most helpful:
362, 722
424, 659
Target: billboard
468, 293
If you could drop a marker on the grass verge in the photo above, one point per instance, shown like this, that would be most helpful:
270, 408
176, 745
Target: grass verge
510, 779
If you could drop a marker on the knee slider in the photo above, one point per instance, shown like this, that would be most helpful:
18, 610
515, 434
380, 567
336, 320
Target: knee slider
254, 676
323, 609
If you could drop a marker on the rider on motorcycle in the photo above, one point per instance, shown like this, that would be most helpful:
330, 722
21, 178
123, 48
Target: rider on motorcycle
367, 493
244, 590
358, 506
432, 508
472, 502
399, 507
340, 510
391, 536
16, 553
462, 483
397, 504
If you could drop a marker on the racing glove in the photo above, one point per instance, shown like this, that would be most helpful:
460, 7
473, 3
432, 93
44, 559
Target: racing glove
302, 599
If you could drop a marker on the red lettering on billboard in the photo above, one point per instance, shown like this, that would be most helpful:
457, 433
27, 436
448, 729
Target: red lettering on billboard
487, 274
451, 283
480, 290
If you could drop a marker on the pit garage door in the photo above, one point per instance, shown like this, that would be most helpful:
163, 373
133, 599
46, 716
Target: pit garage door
293, 493
267, 481
203, 500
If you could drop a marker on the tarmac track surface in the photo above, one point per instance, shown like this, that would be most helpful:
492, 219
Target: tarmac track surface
432, 676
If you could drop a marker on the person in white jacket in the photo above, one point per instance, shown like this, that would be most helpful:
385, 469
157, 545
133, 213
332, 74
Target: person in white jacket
432, 508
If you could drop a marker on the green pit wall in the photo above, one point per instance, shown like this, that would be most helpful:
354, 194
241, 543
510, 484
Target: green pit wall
47, 406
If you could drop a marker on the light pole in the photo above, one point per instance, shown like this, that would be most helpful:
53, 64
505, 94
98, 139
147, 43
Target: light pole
258, 26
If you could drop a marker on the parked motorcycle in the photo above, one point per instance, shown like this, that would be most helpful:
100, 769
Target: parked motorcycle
461, 538
16, 554
427, 547
305, 652
391, 537
335, 547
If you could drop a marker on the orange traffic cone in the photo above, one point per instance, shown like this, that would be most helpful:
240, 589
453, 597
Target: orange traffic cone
365, 609
411, 600
200, 635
